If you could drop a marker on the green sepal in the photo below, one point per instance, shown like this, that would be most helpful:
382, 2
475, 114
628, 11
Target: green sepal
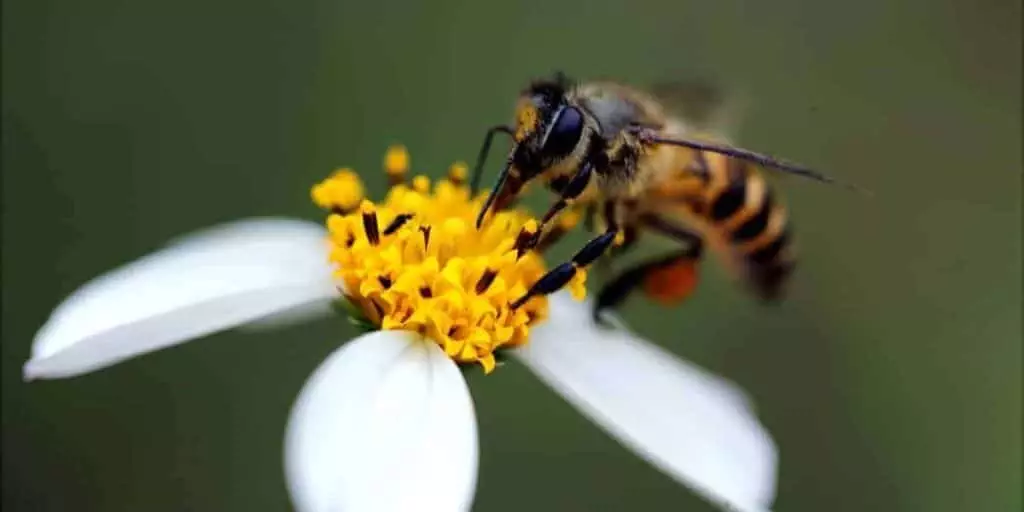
354, 315
501, 356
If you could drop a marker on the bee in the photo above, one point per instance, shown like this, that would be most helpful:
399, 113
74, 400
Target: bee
633, 165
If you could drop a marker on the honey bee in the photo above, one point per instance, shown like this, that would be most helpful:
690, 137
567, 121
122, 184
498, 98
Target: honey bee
633, 165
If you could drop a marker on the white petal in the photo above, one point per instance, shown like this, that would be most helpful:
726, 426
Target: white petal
217, 279
385, 424
298, 315
695, 427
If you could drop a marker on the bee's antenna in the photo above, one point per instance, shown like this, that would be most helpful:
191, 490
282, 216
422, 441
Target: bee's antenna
478, 169
757, 158
502, 178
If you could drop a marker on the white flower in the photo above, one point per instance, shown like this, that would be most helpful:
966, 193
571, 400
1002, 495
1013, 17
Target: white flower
387, 423
387, 420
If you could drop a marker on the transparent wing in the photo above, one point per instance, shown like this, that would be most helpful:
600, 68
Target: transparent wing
706, 106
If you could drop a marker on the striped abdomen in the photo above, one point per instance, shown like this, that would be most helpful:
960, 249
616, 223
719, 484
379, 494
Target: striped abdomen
740, 207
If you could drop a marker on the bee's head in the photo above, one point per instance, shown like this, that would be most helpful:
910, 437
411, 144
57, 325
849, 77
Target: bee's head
548, 128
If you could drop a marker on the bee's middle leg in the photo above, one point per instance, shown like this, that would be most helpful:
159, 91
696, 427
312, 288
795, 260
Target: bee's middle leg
613, 293
603, 265
556, 278
572, 189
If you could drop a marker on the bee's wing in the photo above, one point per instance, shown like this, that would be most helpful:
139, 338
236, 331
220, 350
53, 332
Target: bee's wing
702, 104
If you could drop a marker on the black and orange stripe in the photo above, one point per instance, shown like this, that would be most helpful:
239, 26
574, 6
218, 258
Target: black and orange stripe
739, 205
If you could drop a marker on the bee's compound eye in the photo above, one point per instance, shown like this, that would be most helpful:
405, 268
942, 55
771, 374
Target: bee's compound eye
566, 133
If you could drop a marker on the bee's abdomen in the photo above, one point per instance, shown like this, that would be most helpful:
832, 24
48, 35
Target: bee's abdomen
744, 211
769, 267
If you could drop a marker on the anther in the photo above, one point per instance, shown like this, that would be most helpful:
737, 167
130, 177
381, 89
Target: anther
396, 224
370, 222
396, 164
457, 173
384, 281
426, 235
526, 238
485, 281
421, 184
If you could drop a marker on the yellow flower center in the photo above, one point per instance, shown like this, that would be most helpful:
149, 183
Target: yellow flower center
416, 261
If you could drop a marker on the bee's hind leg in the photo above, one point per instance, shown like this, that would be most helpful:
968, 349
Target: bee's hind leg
613, 293
674, 273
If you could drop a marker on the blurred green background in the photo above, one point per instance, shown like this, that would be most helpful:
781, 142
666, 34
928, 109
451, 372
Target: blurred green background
891, 379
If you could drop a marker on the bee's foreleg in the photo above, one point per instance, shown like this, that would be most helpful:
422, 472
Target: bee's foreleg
572, 189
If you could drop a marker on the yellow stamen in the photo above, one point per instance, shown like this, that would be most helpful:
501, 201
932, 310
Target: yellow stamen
342, 191
396, 164
396, 160
458, 172
366, 206
421, 184
416, 262
578, 284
